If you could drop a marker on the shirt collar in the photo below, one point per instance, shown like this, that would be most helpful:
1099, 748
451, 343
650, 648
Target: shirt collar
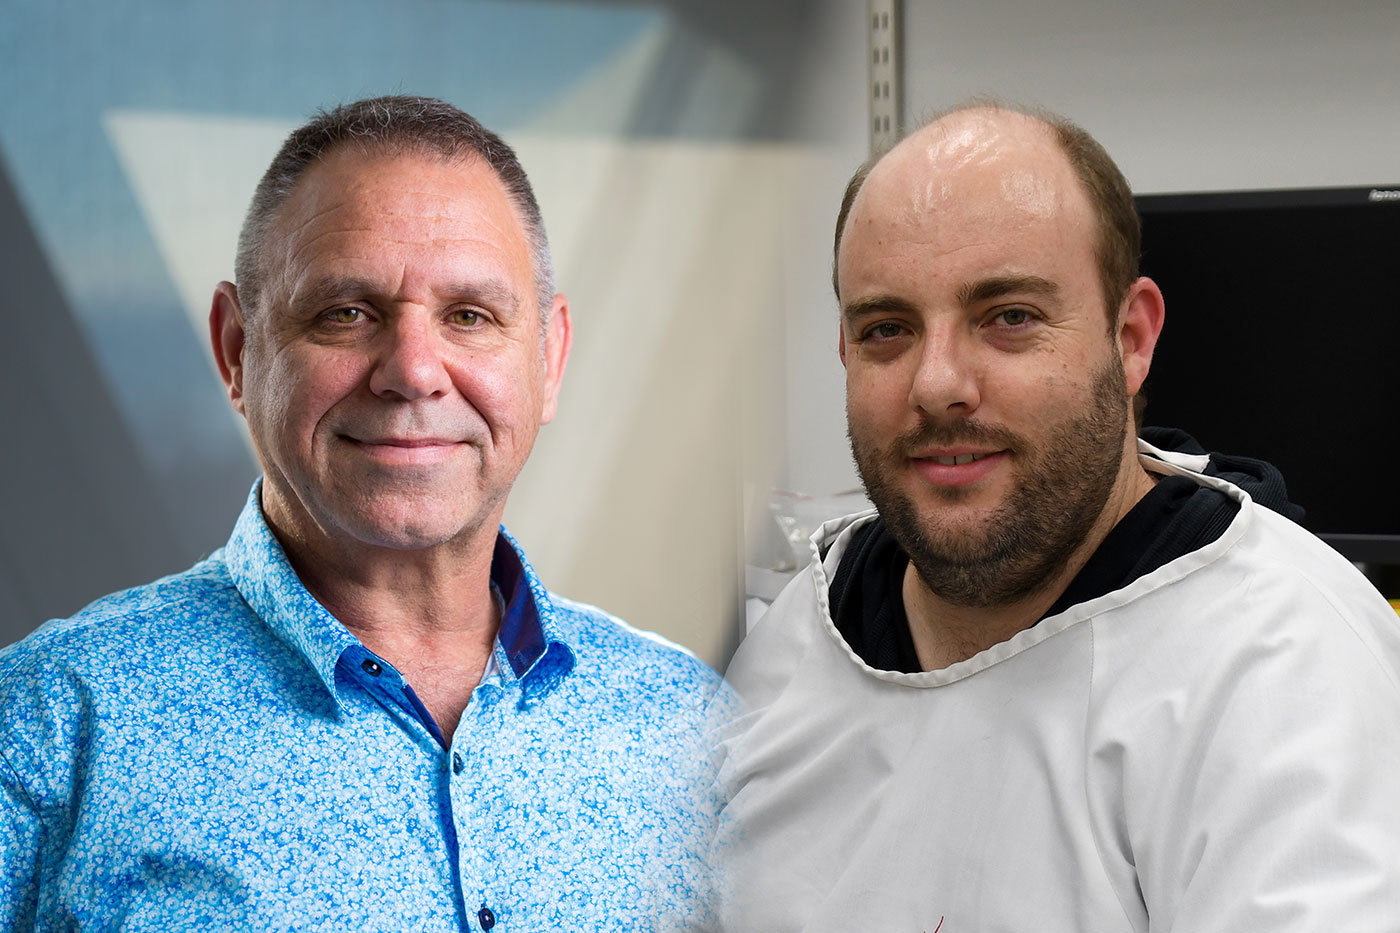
535, 651
270, 586
528, 639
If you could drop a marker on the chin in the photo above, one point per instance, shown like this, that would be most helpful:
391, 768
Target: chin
944, 497
407, 524
406, 538
961, 536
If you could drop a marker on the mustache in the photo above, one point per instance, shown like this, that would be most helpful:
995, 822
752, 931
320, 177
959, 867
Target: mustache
932, 433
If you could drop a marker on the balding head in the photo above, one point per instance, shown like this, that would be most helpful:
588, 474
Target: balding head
1032, 147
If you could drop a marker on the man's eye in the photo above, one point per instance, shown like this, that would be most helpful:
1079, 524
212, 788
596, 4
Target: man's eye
466, 318
344, 315
1014, 317
885, 330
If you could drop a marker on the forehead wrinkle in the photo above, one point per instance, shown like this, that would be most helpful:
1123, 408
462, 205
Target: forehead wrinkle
445, 243
329, 287
372, 205
298, 246
305, 222
402, 236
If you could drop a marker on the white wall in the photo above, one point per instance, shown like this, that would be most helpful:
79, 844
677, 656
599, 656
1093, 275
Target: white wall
817, 460
1187, 96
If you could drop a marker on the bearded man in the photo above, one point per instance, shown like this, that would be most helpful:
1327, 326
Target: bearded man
1059, 678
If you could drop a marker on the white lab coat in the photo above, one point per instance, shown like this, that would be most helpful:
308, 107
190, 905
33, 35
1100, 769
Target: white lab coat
1214, 747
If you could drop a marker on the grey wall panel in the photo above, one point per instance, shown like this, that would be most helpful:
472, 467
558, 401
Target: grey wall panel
82, 515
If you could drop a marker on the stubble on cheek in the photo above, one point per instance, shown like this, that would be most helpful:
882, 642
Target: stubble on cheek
1059, 487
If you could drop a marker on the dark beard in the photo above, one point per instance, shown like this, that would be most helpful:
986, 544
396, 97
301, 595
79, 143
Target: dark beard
1060, 492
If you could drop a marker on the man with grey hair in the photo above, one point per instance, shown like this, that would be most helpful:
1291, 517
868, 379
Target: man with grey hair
364, 712
1061, 678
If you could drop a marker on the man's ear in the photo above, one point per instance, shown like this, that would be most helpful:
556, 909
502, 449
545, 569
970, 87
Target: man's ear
558, 340
226, 334
1139, 324
841, 344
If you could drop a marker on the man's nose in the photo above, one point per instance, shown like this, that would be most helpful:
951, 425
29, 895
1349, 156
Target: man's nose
410, 364
946, 380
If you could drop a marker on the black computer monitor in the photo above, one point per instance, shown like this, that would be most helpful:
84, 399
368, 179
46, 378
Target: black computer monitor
1283, 311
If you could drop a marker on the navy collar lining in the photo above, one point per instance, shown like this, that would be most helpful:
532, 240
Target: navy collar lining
521, 634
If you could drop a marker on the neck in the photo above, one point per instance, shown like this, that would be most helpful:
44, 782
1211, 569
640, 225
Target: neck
429, 612
945, 633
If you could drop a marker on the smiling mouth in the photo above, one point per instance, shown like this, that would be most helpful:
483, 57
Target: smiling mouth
406, 442
958, 460
406, 452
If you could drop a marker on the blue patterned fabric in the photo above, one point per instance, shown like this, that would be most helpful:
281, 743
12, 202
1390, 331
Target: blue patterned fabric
215, 751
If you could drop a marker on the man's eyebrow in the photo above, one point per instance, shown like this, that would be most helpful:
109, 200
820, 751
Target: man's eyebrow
878, 304
332, 288
998, 286
493, 293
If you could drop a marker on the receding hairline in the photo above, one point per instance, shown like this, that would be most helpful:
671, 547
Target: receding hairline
387, 126
381, 151
364, 156
1096, 176
1044, 122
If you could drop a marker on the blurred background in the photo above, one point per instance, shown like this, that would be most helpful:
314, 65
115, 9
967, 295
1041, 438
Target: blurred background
688, 155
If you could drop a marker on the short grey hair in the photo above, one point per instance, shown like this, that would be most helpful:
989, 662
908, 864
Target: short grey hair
395, 125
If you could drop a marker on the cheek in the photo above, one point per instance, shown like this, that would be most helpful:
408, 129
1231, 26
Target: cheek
877, 393
297, 392
1048, 387
1050, 395
506, 394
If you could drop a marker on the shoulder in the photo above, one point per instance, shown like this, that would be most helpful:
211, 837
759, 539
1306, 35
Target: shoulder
1319, 597
634, 701
605, 645
1280, 545
73, 683
127, 623
1254, 700
120, 655
1272, 634
1264, 577
606, 650
1282, 581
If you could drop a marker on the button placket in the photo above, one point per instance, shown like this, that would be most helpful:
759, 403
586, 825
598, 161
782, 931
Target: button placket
468, 764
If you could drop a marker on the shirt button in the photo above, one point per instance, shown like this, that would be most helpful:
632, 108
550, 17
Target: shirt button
371, 667
457, 764
485, 917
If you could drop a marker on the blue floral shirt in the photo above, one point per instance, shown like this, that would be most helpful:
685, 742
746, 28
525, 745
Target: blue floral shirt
215, 751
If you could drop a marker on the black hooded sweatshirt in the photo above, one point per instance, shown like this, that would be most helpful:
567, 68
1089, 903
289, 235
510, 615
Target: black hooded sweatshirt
1176, 517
